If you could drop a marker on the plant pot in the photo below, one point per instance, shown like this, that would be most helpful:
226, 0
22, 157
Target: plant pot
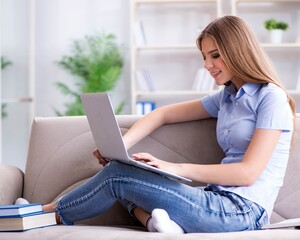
276, 36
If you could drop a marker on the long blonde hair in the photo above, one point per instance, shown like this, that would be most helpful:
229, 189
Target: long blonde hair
241, 52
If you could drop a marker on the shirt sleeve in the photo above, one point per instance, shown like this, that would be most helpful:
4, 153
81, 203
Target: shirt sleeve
211, 103
274, 112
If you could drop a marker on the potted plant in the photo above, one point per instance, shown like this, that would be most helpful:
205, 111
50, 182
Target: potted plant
4, 64
276, 29
97, 63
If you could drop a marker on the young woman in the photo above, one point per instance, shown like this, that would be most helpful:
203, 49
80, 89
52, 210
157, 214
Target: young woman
255, 127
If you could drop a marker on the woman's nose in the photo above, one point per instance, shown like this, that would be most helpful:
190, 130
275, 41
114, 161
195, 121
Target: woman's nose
208, 64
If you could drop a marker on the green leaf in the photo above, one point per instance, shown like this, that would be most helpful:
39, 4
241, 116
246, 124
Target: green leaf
97, 63
5, 62
3, 110
272, 24
119, 108
66, 90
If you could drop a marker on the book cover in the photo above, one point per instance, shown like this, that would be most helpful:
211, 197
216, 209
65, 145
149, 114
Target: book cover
140, 37
144, 80
26, 222
143, 108
149, 80
294, 222
19, 210
141, 81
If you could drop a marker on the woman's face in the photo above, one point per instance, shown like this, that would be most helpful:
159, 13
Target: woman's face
214, 63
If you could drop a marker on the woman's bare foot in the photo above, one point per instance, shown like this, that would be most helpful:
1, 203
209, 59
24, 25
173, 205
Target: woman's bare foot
51, 207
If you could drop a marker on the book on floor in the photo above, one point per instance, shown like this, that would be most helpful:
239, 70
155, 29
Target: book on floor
26, 222
19, 210
294, 222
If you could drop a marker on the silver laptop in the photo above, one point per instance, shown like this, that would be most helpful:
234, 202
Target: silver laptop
107, 134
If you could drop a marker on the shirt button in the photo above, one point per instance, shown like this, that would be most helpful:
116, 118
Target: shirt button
236, 104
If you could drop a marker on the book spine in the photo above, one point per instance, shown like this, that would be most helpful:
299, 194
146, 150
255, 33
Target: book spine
140, 37
143, 108
149, 80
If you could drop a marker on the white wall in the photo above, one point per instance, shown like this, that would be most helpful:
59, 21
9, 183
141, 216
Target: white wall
58, 23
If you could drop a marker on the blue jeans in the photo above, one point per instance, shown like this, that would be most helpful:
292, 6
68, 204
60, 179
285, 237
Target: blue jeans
194, 209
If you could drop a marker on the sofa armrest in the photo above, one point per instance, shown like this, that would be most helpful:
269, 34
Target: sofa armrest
11, 184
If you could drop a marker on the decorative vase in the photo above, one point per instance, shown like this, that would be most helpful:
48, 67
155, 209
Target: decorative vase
276, 35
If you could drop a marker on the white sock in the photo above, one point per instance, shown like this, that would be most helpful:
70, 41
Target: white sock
21, 201
150, 226
162, 222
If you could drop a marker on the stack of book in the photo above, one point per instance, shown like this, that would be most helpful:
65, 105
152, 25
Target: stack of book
144, 107
24, 217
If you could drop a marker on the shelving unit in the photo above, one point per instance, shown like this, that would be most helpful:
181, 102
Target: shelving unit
174, 49
159, 53
286, 55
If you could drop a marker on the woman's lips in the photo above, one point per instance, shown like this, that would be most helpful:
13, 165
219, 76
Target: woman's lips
215, 74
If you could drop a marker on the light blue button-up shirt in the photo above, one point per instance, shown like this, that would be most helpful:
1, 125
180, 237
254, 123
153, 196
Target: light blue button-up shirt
239, 113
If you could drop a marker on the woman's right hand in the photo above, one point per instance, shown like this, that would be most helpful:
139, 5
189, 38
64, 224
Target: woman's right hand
103, 161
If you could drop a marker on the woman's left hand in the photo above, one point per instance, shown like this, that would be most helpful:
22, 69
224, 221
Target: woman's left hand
103, 161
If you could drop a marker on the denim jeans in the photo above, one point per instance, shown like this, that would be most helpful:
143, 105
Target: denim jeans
194, 209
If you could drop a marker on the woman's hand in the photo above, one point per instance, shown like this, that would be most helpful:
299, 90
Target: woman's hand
103, 161
152, 161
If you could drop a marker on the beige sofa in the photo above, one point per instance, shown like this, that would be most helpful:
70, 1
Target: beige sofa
60, 157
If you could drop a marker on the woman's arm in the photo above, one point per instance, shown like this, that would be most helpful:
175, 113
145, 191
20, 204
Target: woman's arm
186, 111
244, 173
181, 112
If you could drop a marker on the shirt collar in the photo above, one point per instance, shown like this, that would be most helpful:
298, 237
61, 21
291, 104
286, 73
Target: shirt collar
248, 88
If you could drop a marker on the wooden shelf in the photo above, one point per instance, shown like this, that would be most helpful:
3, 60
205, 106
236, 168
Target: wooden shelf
17, 100
172, 1
187, 92
255, 1
170, 47
170, 93
282, 45
194, 46
162, 47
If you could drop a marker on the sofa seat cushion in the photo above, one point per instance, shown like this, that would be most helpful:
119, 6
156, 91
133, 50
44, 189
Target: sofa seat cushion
119, 233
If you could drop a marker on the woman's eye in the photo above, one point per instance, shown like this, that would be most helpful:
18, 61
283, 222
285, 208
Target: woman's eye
216, 55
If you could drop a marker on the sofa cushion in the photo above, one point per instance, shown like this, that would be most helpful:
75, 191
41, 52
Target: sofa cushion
60, 156
11, 184
287, 202
117, 233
